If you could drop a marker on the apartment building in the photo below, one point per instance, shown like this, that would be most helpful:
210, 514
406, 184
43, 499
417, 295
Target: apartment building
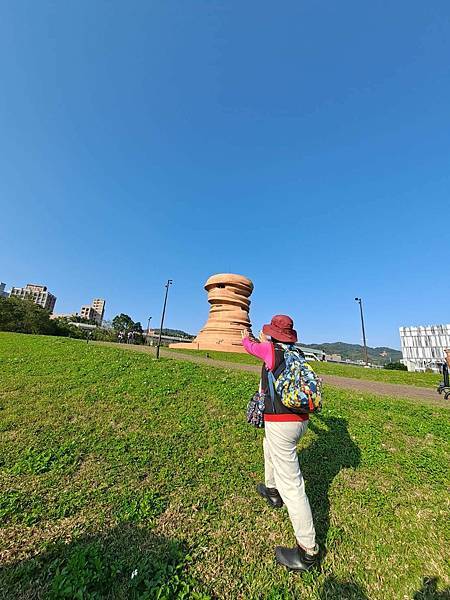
87, 312
39, 294
3, 292
98, 304
94, 311
423, 347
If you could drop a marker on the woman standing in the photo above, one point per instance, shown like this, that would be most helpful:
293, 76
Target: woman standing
284, 482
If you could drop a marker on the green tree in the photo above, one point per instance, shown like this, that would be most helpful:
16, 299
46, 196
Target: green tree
65, 328
122, 323
138, 331
23, 316
104, 335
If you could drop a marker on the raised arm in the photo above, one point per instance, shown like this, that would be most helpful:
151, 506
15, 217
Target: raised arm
263, 350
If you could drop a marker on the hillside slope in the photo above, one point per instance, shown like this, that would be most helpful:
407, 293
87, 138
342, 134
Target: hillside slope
128, 477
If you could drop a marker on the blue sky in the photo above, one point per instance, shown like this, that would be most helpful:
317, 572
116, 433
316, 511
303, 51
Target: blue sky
305, 145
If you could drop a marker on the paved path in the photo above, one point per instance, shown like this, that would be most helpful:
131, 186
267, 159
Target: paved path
348, 383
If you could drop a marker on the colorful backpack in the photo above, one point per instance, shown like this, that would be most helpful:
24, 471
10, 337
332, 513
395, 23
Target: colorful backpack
297, 385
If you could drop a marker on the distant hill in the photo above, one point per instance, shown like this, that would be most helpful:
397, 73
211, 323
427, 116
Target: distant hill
175, 332
379, 356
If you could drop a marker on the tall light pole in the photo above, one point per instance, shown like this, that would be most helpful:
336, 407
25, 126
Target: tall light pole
147, 340
169, 282
359, 301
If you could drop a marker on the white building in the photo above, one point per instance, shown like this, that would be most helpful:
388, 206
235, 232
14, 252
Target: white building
423, 347
39, 294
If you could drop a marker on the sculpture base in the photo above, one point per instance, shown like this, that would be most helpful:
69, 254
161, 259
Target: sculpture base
206, 346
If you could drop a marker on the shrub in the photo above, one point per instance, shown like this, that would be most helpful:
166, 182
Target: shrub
396, 366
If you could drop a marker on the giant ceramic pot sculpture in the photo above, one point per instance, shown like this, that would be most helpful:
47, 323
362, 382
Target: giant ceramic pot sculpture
228, 295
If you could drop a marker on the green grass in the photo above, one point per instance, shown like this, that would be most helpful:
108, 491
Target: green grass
236, 357
429, 380
124, 477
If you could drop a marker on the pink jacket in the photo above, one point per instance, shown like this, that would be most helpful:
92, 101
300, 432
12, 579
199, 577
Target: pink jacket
263, 350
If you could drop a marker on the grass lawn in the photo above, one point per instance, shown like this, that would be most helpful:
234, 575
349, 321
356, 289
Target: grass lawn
329, 368
124, 477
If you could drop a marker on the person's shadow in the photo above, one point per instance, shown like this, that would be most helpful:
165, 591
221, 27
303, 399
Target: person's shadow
429, 590
320, 462
335, 589
124, 562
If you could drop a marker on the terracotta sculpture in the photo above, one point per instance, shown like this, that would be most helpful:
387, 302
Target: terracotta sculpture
228, 295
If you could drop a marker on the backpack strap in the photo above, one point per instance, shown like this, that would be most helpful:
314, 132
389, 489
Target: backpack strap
272, 376
281, 367
271, 380
277, 372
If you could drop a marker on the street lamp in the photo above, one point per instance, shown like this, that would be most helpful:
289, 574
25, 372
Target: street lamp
359, 300
169, 282
147, 340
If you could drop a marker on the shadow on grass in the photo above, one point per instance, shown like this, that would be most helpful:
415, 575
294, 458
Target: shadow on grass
332, 450
126, 562
334, 589
429, 590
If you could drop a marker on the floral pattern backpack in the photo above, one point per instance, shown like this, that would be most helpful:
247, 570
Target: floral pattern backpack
298, 386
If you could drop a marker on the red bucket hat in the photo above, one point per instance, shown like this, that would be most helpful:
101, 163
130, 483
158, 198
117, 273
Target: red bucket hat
281, 328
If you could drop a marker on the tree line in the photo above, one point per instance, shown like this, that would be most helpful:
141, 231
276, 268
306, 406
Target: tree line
19, 315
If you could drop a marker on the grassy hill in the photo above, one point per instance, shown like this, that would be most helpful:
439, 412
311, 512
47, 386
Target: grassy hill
124, 477
430, 380
378, 356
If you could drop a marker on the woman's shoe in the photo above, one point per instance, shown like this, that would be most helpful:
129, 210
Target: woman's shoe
296, 559
271, 495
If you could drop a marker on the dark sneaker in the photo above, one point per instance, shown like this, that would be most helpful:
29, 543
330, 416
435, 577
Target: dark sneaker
296, 559
272, 496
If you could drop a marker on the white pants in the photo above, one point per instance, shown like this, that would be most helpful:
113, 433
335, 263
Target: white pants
282, 471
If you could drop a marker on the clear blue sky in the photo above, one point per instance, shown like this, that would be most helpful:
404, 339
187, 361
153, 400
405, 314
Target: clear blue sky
304, 144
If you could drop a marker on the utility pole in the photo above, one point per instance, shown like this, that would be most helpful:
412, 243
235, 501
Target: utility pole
359, 301
169, 282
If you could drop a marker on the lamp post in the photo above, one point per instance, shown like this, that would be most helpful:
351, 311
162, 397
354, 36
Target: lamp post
169, 282
359, 301
148, 331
